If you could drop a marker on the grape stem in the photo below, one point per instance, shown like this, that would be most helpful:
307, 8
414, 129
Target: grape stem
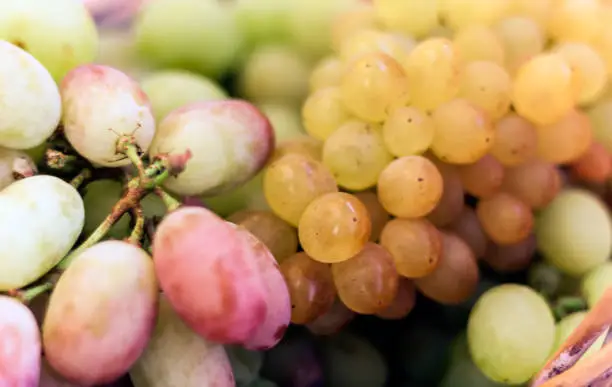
170, 202
567, 305
79, 179
138, 230
58, 160
131, 150
27, 295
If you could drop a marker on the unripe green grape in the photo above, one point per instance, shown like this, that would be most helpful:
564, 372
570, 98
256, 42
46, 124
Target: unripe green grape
596, 282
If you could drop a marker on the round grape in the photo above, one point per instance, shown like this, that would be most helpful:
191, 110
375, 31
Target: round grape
332, 321
13, 165
350, 22
595, 283
522, 39
459, 14
479, 43
326, 73
484, 178
537, 11
511, 258
415, 18
574, 20
378, 215
369, 41
487, 86
408, 131
403, 303
535, 183
302, 145
451, 203
594, 166
565, 140
323, 112
505, 219
467, 226
515, 140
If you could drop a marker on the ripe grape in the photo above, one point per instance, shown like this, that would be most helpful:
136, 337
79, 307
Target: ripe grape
594, 166
332, 321
505, 218
311, 287
402, 303
32, 108
600, 116
574, 20
102, 341
595, 282
603, 42
459, 14
334, 227
50, 378
515, 140
535, 183
233, 310
42, 216
415, 18
511, 331
326, 73
451, 203
98, 199
479, 43
285, 120
100, 104
538, 11
370, 41
488, 86
565, 140
176, 356
468, 227
414, 244
371, 85
484, 178
247, 196
378, 215
563, 238
349, 23
355, 154
302, 145
20, 351
276, 234
464, 133
410, 187
408, 131
323, 112
292, 182
170, 89
456, 275
230, 141
14, 165
511, 258
522, 39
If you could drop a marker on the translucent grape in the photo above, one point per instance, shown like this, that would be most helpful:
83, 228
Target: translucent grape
410, 187
415, 245
574, 20
511, 258
433, 73
415, 18
522, 39
600, 116
371, 85
334, 227
13, 165
323, 112
515, 140
535, 183
408, 131
378, 215
511, 331
332, 321
538, 11
355, 154
367, 283
455, 277
451, 203
565, 140
459, 14
303, 145
595, 283
484, 178
371, 41
403, 303
574, 232
505, 218
463, 133
326, 73
285, 119
479, 43
468, 227
487, 86
594, 166
292, 182
348, 23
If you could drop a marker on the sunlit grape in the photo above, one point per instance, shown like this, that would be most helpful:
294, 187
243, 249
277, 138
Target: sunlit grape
504, 218
326, 73
370, 41
511, 258
515, 140
566, 139
467, 226
451, 203
487, 86
459, 14
348, 23
334, 227
539, 11
416, 18
535, 183
402, 304
483, 178
323, 112
378, 215
574, 20
522, 38
479, 43
594, 166
303, 145
408, 131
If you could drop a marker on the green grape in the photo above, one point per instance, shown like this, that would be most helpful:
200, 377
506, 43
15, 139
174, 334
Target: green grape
117, 48
596, 282
285, 120
511, 331
323, 112
246, 364
417, 18
247, 196
600, 116
566, 326
171, 89
574, 232
303, 145
262, 21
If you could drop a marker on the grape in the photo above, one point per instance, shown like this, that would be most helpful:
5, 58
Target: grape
522, 39
201, 36
355, 154
274, 73
369, 41
233, 310
41, 216
378, 215
99, 198
455, 277
543, 90
20, 354
347, 24
574, 20
13, 165
50, 378
247, 196
408, 131
510, 333
464, 133
535, 183
538, 11
246, 364
603, 42
371, 85
410, 187
565, 140
402, 303
505, 218
311, 287
486, 85
563, 238
596, 282
101, 342
334, 227
170, 89
61, 35
451, 203
326, 73
116, 48
479, 43
511, 258
285, 120
304, 145
176, 356
600, 116
332, 321
323, 112
415, 245
276, 234
32, 108
468, 227
432, 71
230, 141
292, 182
415, 18
595, 165
515, 140
484, 178
100, 104
262, 21
566, 326
459, 14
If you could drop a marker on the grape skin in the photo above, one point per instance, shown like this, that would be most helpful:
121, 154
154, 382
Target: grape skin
596, 282
12, 161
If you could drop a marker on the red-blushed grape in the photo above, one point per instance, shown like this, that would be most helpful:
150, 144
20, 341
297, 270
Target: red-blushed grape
468, 227
378, 215
50, 378
410, 187
109, 294
515, 141
326, 73
292, 182
276, 234
594, 166
332, 321
367, 283
522, 38
20, 349
310, 285
408, 131
488, 86
348, 23
566, 139
511, 258
303, 145
479, 43
13, 165
334, 227
402, 304
368, 41
574, 20
504, 218
459, 14
455, 278
413, 18
451, 203
192, 247
414, 244
484, 178
323, 112
535, 183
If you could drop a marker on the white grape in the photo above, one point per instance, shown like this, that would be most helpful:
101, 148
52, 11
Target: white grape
596, 282
14, 162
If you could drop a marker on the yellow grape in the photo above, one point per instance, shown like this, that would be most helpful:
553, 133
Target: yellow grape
378, 215
511, 258
416, 18
371, 85
543, 90
451, 203
323, 112
468, 227
464, 133
334, 227
538, 11
372, 41
505, 218
565, 140
326, 73
488, 86
515, 141
522, 39
355, 154
403, 303
535, 183
603, 44
347, 23
600, 116
292, 182
575, 20
476, 43
408, 131
302, 145
459, 14
410, 187
432, 70
484, 178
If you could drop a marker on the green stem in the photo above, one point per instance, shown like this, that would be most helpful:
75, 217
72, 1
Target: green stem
80, 178
131, 151
170, 202
565, 306
58, 160
138, 230
27, 295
